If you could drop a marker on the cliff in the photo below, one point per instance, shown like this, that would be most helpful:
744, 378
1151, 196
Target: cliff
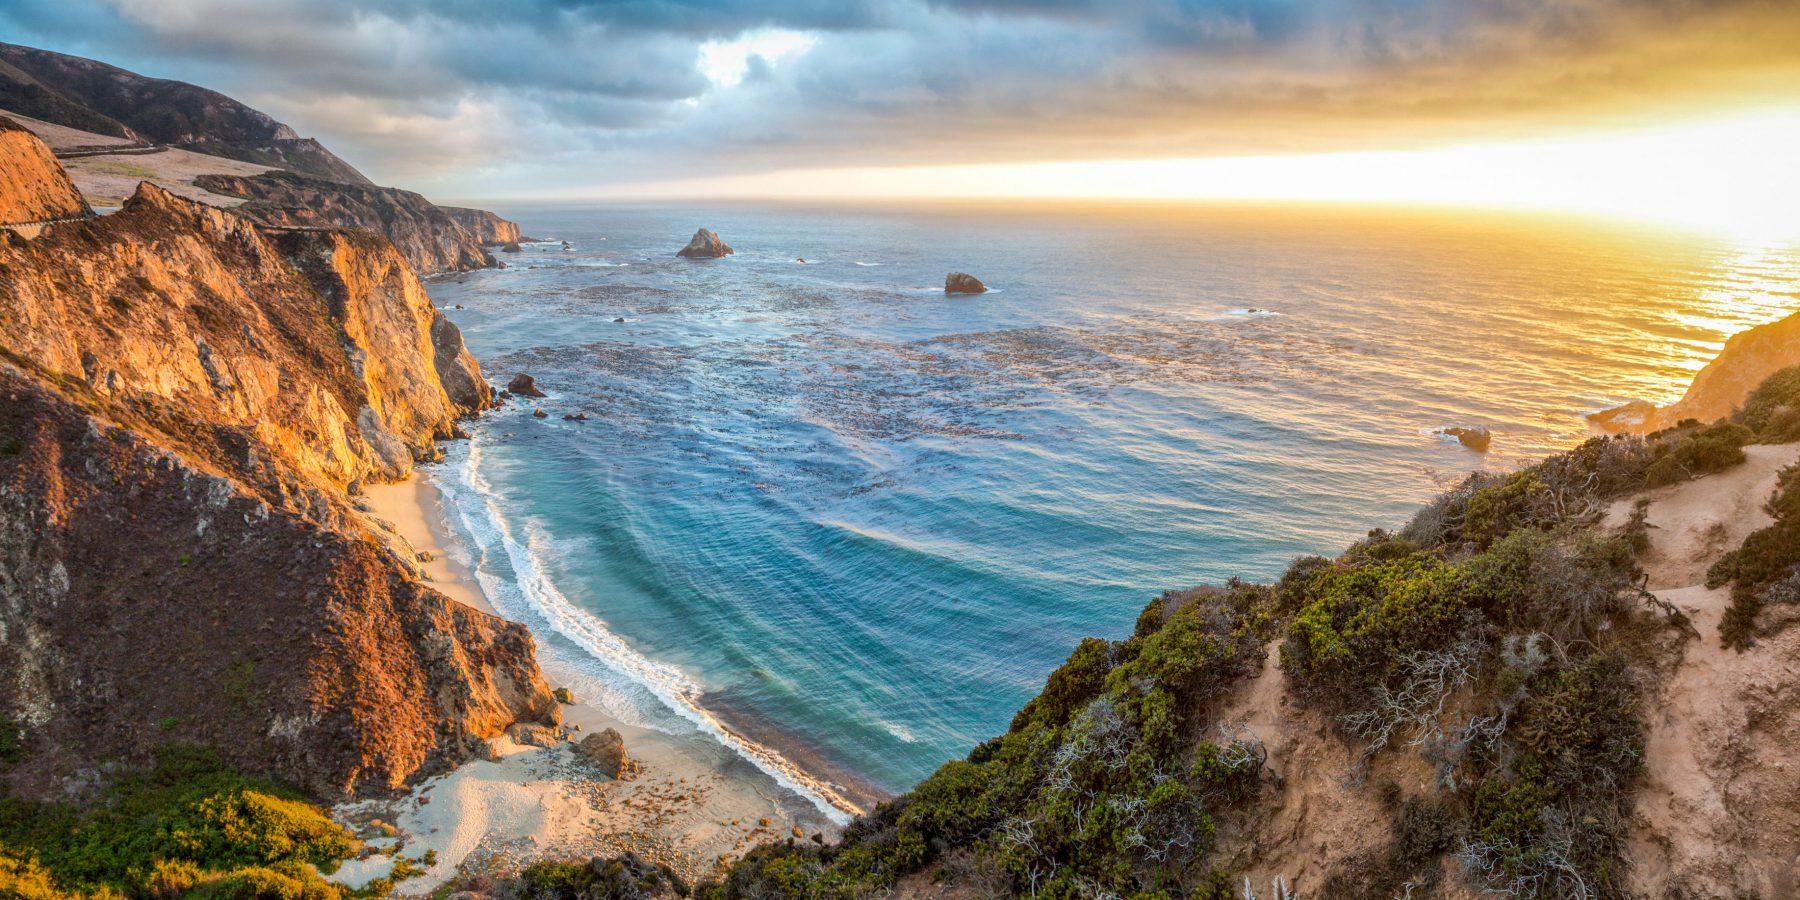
32, 186
92, 96
1748, 358
429, 236
1575, 680
191, 403
488, 228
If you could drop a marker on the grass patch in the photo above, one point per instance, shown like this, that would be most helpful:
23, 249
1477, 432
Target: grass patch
186, 825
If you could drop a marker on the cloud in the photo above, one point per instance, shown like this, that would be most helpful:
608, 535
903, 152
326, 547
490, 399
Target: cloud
475, 97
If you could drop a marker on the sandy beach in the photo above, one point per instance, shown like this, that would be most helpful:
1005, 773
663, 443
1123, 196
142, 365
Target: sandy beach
688, 803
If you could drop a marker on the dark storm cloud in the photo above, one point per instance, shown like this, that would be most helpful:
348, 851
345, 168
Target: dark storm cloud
486, 96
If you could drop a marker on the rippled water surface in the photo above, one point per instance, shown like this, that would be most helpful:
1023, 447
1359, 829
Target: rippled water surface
847, 524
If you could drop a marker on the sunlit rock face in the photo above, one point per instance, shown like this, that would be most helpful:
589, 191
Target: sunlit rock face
187, 404
705, 245
33, 187
963, 283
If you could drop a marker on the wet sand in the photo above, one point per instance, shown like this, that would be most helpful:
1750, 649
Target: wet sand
688, 803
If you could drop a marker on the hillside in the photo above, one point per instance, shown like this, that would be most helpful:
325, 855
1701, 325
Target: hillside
432, 237
116, 128
193, 404
92, 96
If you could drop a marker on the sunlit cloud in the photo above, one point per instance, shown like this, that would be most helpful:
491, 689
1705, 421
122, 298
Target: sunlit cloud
724, 63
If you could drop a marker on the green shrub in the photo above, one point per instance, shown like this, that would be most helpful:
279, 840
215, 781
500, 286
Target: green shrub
1692, 452
1768, 556
1514, 503
1358, 619
187, 822
12, 741
1551, 823
624, 877
1772, 411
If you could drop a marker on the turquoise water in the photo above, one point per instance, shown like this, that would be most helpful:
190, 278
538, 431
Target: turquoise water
847, 524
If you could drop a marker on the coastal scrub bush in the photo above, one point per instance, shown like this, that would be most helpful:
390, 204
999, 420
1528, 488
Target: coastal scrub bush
1493, 512
1360, 617
186, 823
1549, 814
623, 877
1690, 453
1768, 557
1104, 785
1773, 409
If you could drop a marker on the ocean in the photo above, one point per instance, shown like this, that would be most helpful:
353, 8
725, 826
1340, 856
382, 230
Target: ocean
846, 524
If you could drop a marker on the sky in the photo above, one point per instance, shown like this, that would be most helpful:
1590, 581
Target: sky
563, 99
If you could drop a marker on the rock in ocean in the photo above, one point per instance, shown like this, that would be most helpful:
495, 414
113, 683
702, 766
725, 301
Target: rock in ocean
963, 283
705, 245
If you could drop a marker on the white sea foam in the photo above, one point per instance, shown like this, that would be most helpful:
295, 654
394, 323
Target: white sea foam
473, 498
899, 731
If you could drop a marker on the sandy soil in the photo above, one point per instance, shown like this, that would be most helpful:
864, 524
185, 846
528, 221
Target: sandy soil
1693, 523
686, 803
1718, 815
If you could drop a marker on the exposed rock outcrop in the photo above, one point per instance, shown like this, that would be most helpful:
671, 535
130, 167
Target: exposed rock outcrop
429, 237
705, 245
524, 385
963, 283
33, 187
487, 227
1748, 358
186, 400
1474, 437
93, 96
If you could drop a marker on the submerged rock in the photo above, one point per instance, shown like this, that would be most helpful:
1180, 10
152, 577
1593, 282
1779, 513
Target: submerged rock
606, 750
1631, 416
1475, 438
963, 283
524, 385
705, 245
539, 414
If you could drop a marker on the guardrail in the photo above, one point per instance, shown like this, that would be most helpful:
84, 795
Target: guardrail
83, 152
43, 222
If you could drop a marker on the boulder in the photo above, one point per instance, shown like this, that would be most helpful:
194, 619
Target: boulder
532, 734
705, 245
564, 696
606, 750
524, 385
539, 414
511, 247
963, 283
1475, 438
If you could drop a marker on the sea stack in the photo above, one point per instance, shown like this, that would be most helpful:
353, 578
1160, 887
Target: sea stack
705, 245
963, 283
524, 385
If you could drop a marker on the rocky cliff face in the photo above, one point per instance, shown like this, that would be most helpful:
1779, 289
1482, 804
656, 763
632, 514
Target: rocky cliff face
92, 96
32, 186
189, 402
1748, 358
487, 227
430, 238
